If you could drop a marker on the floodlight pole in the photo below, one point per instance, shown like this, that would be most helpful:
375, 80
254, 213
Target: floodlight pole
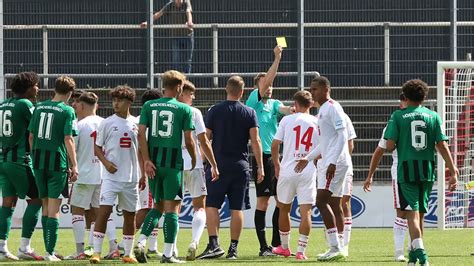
453, 30
150, 53
2, 71
300, 48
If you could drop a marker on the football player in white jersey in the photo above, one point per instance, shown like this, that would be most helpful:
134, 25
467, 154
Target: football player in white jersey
400, 225
117, 148
332, 167
195, 180
86, 189
347, 189
297, 133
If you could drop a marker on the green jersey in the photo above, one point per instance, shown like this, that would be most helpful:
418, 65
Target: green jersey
267, 116
166, 119
15, 115
415, 130
51, 122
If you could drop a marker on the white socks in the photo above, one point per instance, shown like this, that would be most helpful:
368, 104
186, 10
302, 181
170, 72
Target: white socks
79, 230
198, 224
153, 244
400, 227
141, 242
285, 239
347, 231
111, 230
98, 240
91, 234
417, 244
25, 244
331, 234
128, 244
302, 243
3, 245
168, 249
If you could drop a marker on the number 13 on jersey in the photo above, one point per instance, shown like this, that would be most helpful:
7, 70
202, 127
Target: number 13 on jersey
162, 123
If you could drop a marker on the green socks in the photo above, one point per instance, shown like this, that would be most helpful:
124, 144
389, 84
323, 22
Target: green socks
170, 227
421, 255
150, 222
6, 214
52, 227
44, 220
30, 219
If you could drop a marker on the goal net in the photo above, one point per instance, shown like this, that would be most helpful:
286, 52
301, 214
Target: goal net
455, 100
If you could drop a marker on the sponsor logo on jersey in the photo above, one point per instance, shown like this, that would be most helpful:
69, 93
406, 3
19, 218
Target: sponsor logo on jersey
186, 215
358, 207
455, 209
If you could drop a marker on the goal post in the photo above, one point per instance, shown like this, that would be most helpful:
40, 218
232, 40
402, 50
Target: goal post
455, 105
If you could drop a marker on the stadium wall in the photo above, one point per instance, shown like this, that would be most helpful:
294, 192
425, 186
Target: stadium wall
374, 209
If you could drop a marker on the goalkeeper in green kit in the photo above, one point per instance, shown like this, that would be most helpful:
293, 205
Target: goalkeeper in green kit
416, 133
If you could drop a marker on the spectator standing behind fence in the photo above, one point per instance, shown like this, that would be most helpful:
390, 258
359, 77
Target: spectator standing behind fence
183, 38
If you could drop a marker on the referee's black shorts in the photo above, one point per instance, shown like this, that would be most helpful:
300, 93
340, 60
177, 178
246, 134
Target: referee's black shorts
268, 186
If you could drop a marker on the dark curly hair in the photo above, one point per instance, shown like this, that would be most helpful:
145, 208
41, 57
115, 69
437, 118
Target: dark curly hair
23, 81
152, 94
415, 90
123, 92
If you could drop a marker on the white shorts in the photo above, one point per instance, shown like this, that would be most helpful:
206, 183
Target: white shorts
195, 182
347, 186
335, 184
144, 197
396, 197
127, 193
85, 196
301, 185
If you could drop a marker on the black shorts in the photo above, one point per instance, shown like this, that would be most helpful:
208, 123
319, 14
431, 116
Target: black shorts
234, 185
268, 186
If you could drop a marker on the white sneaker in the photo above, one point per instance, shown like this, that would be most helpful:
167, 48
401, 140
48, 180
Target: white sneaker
28, 255
192, 251
49, 257
411, 264
334, 254
6, 255
345, 251
324, 253
400, 257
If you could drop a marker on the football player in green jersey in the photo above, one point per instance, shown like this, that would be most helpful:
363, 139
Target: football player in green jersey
16, 173
52, 129
416, 133
166, 120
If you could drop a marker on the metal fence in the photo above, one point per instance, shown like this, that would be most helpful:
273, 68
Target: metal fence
367, 48
355, 43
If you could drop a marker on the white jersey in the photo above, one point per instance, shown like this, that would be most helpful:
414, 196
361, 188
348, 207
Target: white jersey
89, 167
331, 118
199, 129
118, 138
298, 132
351, 134
383, 144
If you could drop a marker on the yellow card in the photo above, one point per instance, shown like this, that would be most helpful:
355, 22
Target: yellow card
281, 41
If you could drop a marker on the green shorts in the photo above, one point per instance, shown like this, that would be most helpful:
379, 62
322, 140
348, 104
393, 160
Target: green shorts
51, 184
414, 196
17, 179
167, 184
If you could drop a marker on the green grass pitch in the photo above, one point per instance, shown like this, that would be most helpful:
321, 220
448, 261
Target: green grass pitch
368, 247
